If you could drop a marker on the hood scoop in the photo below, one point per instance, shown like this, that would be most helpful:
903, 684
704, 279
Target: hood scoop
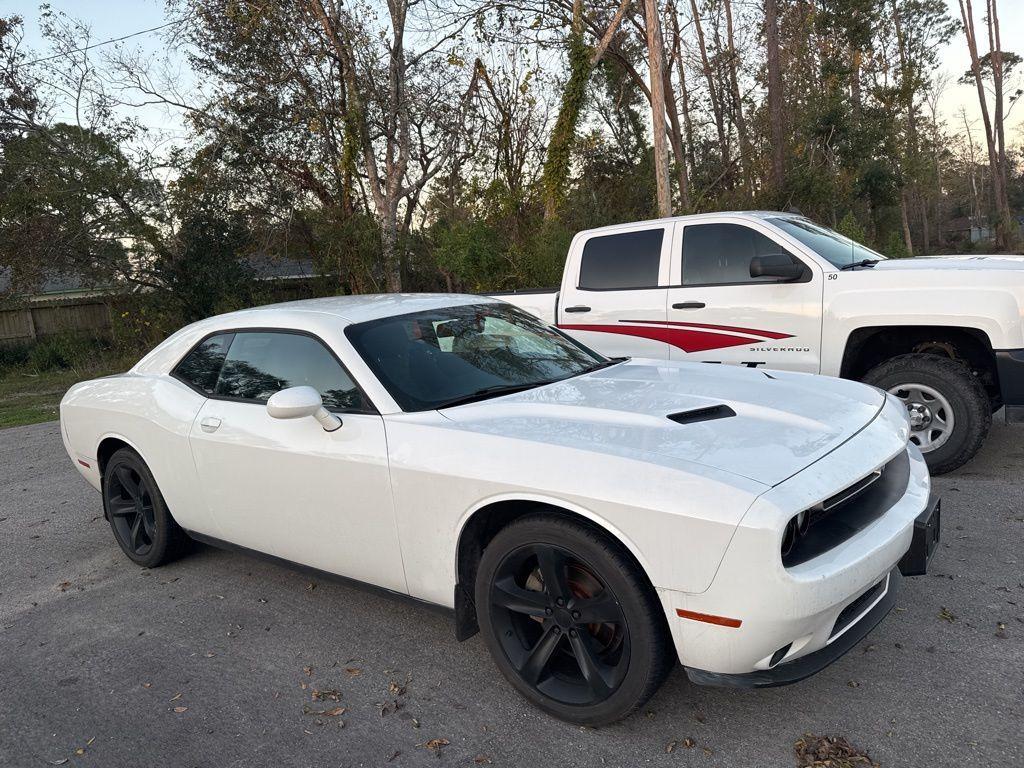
709, 413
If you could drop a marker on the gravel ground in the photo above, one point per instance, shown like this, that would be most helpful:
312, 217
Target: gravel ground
214, 660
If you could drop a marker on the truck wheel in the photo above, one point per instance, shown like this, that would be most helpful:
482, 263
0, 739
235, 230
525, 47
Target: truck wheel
949, 408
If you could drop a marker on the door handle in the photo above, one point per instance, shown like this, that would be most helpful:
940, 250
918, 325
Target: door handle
577, 308
689, 305
210, 424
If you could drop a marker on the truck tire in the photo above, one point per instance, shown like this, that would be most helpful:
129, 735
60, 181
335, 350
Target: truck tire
949, 408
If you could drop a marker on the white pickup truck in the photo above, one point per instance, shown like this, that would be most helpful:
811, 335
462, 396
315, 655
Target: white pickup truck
774, 290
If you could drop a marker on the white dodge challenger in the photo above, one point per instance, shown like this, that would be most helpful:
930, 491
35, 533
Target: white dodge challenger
594, 518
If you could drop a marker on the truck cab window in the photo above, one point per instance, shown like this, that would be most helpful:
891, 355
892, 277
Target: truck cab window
622, 261
717, 254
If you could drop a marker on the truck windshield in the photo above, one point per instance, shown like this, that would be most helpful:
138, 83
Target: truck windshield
839, 250
454, 355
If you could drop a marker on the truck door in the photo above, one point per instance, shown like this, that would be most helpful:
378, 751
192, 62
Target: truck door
719, 313
614, 290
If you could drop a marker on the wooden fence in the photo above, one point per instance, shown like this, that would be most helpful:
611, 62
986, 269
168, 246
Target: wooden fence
23, 325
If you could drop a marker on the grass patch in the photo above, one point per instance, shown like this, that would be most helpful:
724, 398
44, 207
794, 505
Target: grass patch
29, 396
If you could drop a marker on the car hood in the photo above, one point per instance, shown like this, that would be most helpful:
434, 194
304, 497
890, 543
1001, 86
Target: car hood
1013, 263
783, 421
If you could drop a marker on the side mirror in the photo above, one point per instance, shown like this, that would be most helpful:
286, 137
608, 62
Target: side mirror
779, 265
300, 402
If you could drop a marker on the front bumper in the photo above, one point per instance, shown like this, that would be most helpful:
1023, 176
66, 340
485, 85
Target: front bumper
1010, 369
789, 614
875, 608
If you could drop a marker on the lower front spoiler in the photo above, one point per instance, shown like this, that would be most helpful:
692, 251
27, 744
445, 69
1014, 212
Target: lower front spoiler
805, 666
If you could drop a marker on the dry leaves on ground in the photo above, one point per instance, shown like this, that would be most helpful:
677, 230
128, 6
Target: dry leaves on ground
829, 752
435, 745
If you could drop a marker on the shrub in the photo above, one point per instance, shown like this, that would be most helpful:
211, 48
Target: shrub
63, 351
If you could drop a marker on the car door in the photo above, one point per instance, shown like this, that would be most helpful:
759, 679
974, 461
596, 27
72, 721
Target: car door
613, 296
288, 487
719, 313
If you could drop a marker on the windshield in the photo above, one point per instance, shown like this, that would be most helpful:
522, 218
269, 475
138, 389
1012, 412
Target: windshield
840, 251
440, 357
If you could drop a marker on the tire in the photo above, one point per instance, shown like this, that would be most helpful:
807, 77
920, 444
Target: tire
538, 642
142, 524
910, 376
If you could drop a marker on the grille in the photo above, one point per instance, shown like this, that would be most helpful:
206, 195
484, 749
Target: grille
853, 509
850, 613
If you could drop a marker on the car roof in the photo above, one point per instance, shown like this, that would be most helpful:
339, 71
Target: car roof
359, 308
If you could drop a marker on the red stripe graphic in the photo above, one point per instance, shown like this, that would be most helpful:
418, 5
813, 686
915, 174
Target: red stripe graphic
735, 328
688, 340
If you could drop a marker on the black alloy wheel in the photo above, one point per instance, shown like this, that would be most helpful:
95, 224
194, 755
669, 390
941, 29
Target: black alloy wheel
142, 525
559, 625
570, 620
130, 506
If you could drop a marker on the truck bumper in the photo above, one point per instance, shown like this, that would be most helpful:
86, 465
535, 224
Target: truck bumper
1010, 368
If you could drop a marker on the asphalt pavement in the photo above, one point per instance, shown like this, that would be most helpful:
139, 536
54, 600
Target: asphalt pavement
224, 660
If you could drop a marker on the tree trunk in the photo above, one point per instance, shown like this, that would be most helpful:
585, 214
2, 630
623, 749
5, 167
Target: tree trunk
746, 153
906, 223
655, 51
716, 104
1002, 213
775, 95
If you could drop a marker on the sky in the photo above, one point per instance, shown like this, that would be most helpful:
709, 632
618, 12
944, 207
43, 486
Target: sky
115, 18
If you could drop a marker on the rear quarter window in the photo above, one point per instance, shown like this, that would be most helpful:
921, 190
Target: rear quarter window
200, 368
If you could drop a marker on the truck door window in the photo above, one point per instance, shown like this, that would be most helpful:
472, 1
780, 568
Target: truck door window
720, 254
621, 261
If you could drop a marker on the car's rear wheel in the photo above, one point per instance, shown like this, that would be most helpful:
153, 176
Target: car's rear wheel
142, 525
570, 620
949, 409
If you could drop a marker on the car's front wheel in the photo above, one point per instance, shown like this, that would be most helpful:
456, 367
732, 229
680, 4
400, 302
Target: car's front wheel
142, 524
570, 620
949, 410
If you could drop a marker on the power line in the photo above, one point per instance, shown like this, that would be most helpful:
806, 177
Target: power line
106, 42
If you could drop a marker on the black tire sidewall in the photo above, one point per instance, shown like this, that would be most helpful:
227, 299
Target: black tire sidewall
972, 415
646, 636
165, 526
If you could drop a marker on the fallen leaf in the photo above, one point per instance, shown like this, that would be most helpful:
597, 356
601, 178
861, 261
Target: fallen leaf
482, 760
310, 586
62, 761
175, 697
147, 685
670, 747
329, 693
829, 752
853, 684
353, 671
63, 586
80, 751
689, 743
335, 712
395, 689
393, 756
1001, 630
946, 615
308, 671
435, 745
179, 710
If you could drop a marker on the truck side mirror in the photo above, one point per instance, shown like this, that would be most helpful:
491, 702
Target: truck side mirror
780, 265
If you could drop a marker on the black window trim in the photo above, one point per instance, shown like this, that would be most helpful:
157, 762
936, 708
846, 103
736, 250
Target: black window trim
371, 410
807, 276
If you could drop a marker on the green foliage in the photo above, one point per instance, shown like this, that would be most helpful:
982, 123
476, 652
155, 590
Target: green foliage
851, 227
896, 246
63, 351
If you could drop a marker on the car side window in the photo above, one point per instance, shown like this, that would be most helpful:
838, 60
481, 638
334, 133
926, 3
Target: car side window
260, 363
202, 365
623, 260
721, 254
